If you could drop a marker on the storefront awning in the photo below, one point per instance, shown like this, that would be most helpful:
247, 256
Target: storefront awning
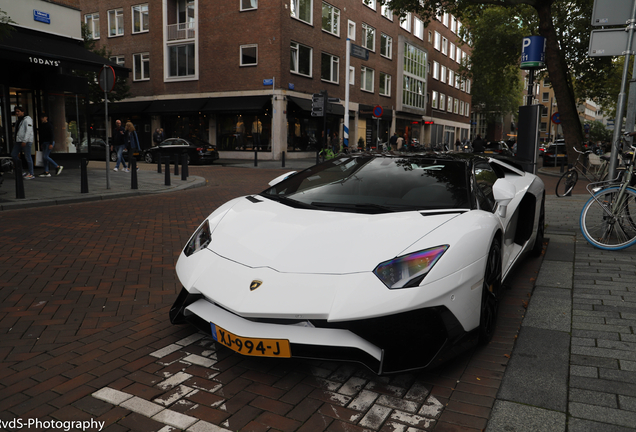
121, 107
175, 106
305, 105
235, 105
42, 49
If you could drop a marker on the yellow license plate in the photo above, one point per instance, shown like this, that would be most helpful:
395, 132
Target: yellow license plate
251, 346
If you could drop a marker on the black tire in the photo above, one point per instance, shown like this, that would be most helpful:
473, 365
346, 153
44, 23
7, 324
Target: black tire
490, 293
566, 183
148, 158
606, 225
537, 249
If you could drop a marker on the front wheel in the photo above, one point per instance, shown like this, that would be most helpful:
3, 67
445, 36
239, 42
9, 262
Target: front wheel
607, 219
490, 293
566, 183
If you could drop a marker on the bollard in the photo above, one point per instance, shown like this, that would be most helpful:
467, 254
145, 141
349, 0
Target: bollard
133, 173
317, 157
283, 159
159, 162
184, 166
176, 164
255, 157
84, 176
19, 181
167, 160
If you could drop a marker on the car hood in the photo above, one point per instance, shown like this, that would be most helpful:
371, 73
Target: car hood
259, 232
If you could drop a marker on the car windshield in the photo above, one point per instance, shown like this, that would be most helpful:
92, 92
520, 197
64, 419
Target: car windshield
367, 184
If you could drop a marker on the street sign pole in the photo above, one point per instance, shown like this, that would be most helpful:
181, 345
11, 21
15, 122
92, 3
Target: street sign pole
346, 113
107, 83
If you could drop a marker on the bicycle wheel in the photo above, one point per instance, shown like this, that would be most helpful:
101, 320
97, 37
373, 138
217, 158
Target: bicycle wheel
566, 183
607, 219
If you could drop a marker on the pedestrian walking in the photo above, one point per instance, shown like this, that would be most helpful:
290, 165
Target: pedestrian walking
47, 142
479, 145
23, 141
158, 137
132, 141
393, 141
399, 142
119, 144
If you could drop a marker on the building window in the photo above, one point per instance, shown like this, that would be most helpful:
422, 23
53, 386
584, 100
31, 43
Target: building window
141, 67
546, 97
368, 37
461, 108
249, 5
405, 22
456, 106
249, 55
92, 24
386, 45
430, 36
181, 60
352, 75
467, 110
370, 3
445, 19
386, 12
437, 42
442, 102
119, 60
449, 105
444, 46
330, 19
385, 84
140, 18
351, 30
451, 51
457, 80
435, 70
442, 74
451, 77
115, 22
414, 81
329, 68
453, 24
458, 58
302, 10
434, 100
418, 28
366, 78
300, 59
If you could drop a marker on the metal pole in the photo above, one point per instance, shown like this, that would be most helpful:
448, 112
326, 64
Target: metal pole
107, 145
346, 113
621, 98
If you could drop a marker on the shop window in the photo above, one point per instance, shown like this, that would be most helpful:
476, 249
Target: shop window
140, 18
115, 22
249, 5
92, 24
385, 84
249, 55
300, 59
329, 68
244, 132
302, 10
366, 78
330, 19
368, 37
386, 46
141, 66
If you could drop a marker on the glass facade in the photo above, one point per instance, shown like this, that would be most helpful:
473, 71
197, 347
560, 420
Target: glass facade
414, 83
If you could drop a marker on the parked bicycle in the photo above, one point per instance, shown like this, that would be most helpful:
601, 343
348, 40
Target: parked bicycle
595, 170
608, 219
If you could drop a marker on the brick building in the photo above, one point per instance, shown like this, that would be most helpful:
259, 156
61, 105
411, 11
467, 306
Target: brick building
241, 74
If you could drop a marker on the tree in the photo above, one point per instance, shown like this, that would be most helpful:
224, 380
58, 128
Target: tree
95, 93
5, 24
557, 66
598, 132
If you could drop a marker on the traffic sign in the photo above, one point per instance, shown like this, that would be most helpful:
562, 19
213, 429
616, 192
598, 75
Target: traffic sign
609, 42
556, 118
377, 111
107, 79
611, 12
317, 105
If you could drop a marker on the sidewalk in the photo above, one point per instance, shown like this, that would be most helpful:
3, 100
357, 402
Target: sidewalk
66, 188
574, 363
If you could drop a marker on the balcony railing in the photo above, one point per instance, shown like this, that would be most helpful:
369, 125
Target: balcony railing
181, 31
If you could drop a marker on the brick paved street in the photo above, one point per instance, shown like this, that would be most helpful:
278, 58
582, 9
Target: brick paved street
84, 335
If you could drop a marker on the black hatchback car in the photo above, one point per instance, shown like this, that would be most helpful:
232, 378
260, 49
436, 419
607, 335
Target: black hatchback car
555, 154
198, 151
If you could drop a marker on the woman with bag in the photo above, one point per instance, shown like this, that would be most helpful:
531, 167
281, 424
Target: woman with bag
132, 141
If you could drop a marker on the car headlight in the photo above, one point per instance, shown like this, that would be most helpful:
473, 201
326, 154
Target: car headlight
199, 240
409, 270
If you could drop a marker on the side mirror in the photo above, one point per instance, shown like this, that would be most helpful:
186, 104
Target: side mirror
504, 192
281, 178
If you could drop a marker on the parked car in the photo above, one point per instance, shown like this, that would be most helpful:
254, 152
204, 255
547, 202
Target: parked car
198, 151
498, 148
393, 261
555, 154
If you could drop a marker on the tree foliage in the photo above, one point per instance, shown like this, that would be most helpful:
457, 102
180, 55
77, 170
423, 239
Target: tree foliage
95, 93
5, 24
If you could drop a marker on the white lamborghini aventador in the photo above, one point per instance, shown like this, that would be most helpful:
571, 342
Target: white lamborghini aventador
388, 260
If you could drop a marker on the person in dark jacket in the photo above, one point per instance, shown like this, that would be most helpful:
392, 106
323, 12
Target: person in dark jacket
47, 143
119, 143
479, 145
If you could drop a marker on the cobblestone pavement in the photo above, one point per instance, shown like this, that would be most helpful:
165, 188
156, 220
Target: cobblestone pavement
84, 335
